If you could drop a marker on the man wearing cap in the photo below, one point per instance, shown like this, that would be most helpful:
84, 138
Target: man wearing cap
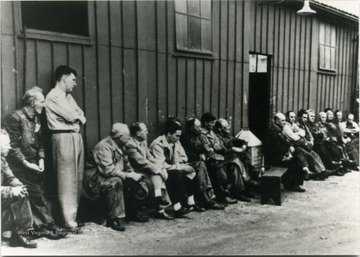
212, 148
110, 169
64, 118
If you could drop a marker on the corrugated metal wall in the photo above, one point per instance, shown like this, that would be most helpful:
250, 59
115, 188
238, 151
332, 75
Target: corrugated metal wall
292, 41
132, 71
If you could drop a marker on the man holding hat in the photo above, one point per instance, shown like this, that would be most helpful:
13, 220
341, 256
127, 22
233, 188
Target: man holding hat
110, 169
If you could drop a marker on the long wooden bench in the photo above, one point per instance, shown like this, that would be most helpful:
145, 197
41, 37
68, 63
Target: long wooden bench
271, 185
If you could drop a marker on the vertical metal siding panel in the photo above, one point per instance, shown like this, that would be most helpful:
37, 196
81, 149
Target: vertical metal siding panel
8, 87
239, 30
130, 86
115, 23
230, 92
148, 91
129, 24
44, 66
60, 54
341, 65
91, 100
207, 86
102, 22
223, 30
264, 28
170, 26
270, 30
20, 69
238, 97
314, 35
245, 110
161, 25
245, 66
75, 61
181, 88
222, 89
199, 88
105, 105
116, 81
190, 88
31, 64
215, 88
303, 84
231, 28
307, 84
172, 86
146, 25
250, 6
7, 18
161, 94
346, 70
216, 28
257, 28
143, 85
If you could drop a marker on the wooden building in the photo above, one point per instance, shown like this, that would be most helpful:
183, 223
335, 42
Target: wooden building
146, 60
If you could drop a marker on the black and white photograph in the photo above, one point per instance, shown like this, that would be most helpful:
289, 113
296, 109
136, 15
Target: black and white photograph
180, 127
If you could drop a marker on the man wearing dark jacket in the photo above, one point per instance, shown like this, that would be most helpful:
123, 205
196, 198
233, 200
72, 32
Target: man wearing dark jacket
280, 152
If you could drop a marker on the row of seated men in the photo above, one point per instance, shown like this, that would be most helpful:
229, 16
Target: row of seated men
206, 169
312, 150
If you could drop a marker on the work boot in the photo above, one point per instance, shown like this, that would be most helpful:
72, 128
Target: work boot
117, 224
17, 240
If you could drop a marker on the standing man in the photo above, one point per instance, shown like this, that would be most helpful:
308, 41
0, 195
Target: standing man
64, 118
26, 159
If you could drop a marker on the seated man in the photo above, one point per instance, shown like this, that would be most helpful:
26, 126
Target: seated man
144, 163
109, 170
309, 143
213, 148
169, 153
235, 165
14, 201
190, 140
351, 130
303, 148
26, 159
336, 131
279, 152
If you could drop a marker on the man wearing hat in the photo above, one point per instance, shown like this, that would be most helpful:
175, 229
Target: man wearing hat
215, 161
110, 169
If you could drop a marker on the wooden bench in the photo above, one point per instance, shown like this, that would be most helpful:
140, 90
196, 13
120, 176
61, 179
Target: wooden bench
270, 185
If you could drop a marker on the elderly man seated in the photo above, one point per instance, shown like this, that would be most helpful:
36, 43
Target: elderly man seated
109, 170
14, 201
280, 152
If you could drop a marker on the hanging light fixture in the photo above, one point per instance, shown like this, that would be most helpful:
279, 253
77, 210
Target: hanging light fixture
306, 10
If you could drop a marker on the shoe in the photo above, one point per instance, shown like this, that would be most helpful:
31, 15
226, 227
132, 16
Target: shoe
163, 215
181, 212
80, 223
243, 198
161, 201
212, 205
248, 194
44, 232
74, 230
339, 173
229, 200
116, 224
18, 240
141, 217
196, 208
297, 189
57, 230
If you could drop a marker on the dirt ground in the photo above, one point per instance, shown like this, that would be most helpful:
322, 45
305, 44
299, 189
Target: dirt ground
323, 220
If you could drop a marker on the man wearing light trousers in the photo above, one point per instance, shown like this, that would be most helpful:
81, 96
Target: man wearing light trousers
64, 118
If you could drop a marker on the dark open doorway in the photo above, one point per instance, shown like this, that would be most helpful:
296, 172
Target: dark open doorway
259, 94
